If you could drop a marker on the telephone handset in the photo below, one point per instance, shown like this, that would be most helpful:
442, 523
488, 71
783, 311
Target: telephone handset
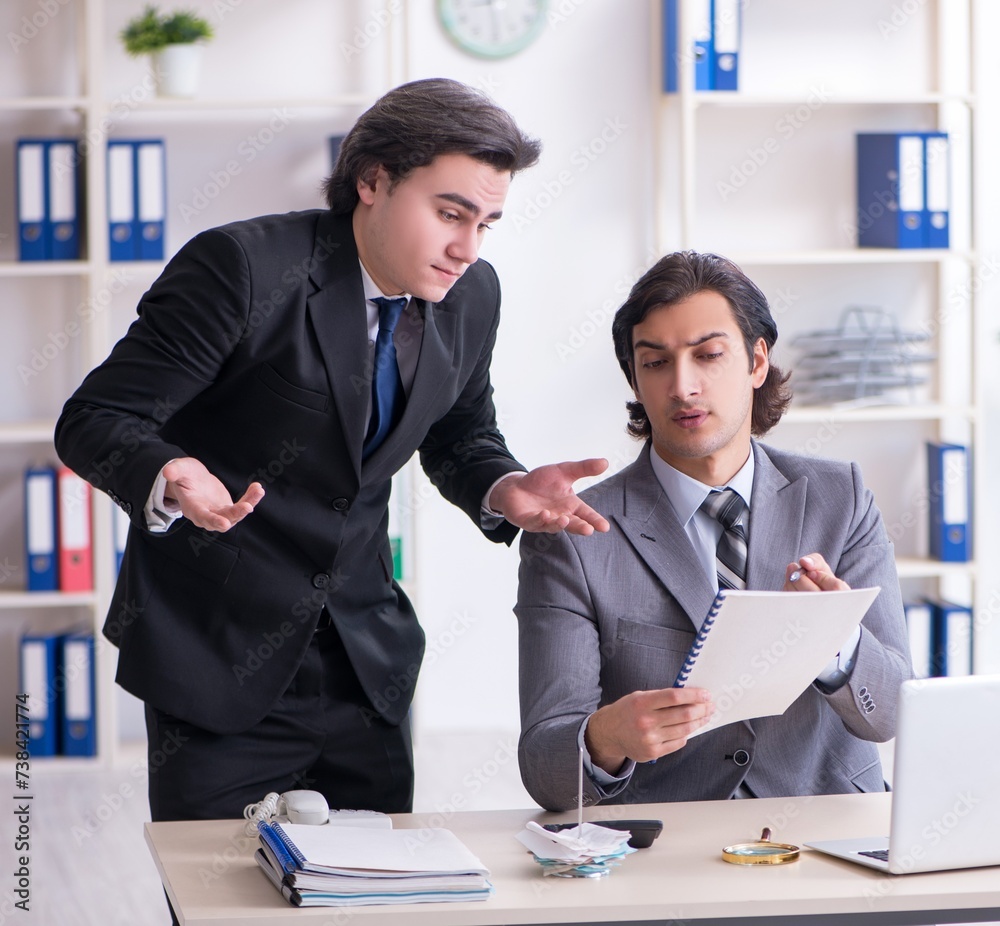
308, 807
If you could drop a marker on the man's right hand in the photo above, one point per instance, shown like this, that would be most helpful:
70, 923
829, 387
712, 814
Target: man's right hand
203, 499
645, 725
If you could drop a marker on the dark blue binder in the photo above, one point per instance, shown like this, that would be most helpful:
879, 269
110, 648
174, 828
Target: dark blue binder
40, 530
63, 217
122, 221
890, 188
726, 28
39, 674
952, 636
78, 716
32, 201
151, 203
949, 494
937, 198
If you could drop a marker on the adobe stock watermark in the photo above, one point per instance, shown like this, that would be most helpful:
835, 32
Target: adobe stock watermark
785, 128
579, 162
32, 24
220, 179
365, 34
899, 16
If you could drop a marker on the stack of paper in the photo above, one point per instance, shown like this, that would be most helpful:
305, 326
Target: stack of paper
586, 850
333, 866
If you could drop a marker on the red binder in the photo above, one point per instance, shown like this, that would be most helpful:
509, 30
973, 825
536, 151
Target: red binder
76, 560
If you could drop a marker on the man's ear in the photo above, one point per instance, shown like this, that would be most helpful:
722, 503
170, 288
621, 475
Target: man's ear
760, 363
367, 184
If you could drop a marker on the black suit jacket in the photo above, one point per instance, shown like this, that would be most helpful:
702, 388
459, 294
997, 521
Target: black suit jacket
251, 354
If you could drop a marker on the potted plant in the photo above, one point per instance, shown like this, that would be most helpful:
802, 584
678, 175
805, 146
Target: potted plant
175, 41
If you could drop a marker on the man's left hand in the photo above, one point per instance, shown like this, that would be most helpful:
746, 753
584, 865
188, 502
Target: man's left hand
543, 500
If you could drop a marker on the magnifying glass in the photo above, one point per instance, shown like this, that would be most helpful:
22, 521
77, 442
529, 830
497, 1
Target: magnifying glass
761, 852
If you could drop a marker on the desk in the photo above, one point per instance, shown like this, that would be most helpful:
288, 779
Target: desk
209, 873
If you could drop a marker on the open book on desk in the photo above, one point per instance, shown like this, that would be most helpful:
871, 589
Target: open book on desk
758, 651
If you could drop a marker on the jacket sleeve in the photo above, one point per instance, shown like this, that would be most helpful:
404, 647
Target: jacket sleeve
189, 322
560, 669
866, 703
464, 452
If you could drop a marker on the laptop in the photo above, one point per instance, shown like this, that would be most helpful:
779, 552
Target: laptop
946, 797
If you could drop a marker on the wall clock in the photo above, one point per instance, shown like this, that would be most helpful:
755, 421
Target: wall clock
492, 28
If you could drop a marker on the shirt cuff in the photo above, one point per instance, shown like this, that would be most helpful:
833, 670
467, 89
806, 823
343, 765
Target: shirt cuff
837, 670
488, 518
160, 512
597, 775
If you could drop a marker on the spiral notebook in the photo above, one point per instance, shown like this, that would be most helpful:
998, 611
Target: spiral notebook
758, 651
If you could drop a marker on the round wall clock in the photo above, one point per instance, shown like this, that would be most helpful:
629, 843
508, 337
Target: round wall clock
492, 28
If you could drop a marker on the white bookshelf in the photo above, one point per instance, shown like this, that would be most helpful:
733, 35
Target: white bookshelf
72, 78
765, 176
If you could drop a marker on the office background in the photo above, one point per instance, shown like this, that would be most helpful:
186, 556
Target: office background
579, 228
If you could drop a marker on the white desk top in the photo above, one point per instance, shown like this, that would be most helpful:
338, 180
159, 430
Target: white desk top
210, 875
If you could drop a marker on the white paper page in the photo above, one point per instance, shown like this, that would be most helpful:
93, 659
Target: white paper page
379, 850
765, 648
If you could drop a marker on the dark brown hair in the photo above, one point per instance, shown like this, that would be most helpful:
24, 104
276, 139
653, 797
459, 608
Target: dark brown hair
414, 123
679, 276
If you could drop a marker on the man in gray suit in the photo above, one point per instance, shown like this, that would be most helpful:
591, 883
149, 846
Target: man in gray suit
605, 622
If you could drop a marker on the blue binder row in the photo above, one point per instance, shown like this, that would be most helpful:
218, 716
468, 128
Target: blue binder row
715, 56
904, 198
57, 674
949, 495
48, 199
940, 635
137, 200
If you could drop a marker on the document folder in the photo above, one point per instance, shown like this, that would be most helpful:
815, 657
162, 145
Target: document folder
937, 174
39, 668
726, 44
890, 190
949, 491
699, 57
31, 206
952, 648
121, 202
151, 193
79, 733
920, 632
63, 225
40, 529
76, 561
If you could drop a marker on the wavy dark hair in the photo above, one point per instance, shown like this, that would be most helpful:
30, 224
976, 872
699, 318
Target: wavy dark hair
414, 123
679, 276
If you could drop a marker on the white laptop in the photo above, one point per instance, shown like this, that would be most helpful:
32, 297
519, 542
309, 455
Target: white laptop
946, 795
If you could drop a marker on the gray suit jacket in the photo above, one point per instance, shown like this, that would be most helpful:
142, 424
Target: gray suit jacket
603, 616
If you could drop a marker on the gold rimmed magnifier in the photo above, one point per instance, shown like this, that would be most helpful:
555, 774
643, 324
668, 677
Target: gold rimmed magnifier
761, 852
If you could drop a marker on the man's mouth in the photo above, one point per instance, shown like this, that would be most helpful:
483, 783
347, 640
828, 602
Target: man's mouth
689, 418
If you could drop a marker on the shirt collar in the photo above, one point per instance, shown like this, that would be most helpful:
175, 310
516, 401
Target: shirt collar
687, 494
371, 290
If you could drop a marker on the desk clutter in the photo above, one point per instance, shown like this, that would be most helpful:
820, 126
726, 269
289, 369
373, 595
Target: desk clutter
345, 866
583, 851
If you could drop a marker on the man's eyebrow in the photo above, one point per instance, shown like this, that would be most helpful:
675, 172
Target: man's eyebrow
468, 205
653, 345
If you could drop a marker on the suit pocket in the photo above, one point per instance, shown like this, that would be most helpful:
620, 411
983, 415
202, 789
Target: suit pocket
869, 779
196, 549
666, 638
274, 381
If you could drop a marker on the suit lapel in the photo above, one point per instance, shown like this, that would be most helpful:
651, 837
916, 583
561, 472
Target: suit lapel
776, 514
651, 526
337, 312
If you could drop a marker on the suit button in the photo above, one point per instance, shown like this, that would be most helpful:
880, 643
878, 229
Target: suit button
340, 504
321, 580
741, 757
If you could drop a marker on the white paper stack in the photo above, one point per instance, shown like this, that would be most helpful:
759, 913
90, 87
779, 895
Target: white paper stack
582, 851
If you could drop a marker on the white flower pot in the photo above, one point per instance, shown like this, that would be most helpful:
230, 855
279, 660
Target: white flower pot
178, 70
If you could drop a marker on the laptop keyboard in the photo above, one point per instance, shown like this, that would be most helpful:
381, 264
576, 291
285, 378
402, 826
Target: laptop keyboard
881, 854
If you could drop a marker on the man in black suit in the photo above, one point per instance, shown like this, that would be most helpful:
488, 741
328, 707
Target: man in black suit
266, 636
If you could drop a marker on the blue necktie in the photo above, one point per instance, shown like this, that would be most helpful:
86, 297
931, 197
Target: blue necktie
387, 388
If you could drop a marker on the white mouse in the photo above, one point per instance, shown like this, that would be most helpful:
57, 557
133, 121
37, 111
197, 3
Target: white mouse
305, 807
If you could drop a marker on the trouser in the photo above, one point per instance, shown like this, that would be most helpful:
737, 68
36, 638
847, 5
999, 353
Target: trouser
322, 735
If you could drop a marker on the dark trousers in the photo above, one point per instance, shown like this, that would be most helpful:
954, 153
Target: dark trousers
321, 735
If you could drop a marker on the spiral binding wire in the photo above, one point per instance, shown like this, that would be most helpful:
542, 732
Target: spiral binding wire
260, 812
699, 641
